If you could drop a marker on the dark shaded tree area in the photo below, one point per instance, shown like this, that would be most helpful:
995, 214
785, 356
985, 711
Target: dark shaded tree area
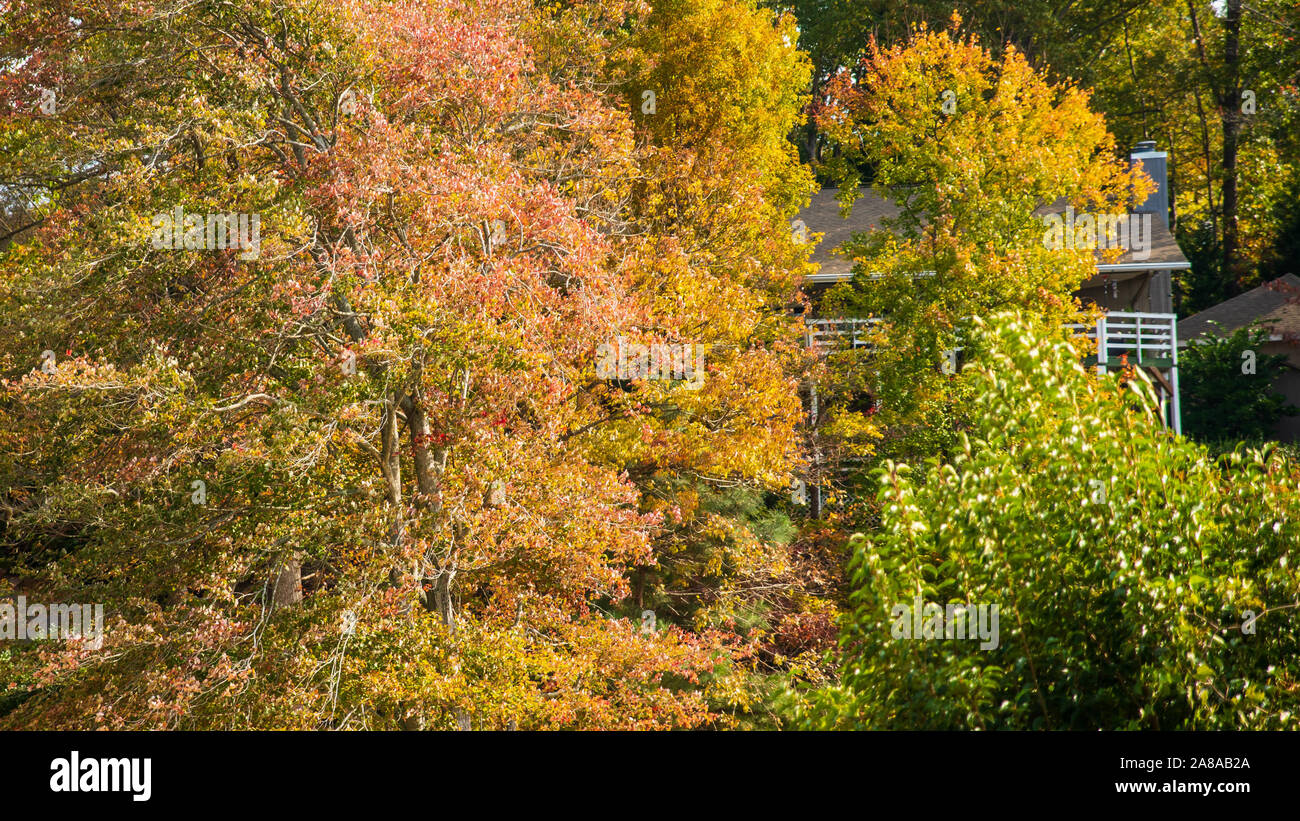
1227, 387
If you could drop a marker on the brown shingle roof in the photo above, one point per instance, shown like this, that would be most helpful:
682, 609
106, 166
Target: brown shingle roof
1269, 303
823, 216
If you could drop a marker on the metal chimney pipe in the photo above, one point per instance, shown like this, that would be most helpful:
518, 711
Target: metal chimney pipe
1156, 165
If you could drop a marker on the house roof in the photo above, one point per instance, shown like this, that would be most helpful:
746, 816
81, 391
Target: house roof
1270, 303
823, 216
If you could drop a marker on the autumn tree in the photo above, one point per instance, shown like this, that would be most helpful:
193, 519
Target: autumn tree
836, 33
970, 146
361, 471
1215, 85
714, 87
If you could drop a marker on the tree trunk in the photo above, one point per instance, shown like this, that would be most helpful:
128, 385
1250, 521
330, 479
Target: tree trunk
436, 595
429, 465
288, 583
1200, 112
1230, 109
439, 600
390, 465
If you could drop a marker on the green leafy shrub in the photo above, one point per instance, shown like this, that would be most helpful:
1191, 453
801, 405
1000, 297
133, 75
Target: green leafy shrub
1123, 559
1223, 397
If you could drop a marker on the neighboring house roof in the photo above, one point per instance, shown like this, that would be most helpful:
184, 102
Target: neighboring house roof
823, 217
1271, 303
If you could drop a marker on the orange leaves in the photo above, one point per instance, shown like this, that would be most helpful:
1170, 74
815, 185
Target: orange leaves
944, 110
400, 390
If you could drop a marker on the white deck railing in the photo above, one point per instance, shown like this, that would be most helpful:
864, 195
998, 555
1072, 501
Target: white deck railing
1142, 337
1136, 338
826, 334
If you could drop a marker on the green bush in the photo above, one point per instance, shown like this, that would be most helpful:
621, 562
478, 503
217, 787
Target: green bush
1123, 560
1222, 397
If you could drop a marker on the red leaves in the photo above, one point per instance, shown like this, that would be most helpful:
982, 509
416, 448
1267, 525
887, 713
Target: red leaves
434, 438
